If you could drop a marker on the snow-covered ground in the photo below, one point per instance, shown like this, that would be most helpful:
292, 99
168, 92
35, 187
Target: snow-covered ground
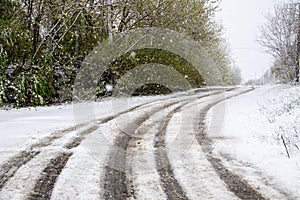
250, 141
248, 133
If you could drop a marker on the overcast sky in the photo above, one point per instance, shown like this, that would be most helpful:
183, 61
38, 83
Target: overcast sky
241, 20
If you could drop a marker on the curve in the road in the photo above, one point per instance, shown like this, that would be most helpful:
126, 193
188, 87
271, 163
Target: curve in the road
116, 183
235, 183
8, 169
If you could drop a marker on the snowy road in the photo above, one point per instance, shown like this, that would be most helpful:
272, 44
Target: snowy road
156, 149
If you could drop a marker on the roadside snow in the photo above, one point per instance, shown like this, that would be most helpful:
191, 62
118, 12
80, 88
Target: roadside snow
249, 140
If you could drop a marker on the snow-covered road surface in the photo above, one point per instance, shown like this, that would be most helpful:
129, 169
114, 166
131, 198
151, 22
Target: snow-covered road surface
156, 148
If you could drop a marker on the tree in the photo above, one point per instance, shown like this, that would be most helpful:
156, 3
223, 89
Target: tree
281, 38
42, 46
43, 43
196, 18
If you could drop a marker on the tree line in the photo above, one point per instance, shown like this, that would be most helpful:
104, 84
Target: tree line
43, 42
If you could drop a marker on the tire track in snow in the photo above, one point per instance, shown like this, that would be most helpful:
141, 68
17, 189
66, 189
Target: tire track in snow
143, 129
46, 141
22, 183
235, 183
171, 187
191, 93
46, 178
117, 185
75, 142
8, 169
109, 118
43, 188
55, 145
143, 176
190, 166
260, 177
169, 183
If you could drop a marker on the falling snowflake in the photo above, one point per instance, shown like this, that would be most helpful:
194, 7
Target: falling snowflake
133, 54
109, 87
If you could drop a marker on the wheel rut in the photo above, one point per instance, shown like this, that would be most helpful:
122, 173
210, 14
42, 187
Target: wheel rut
44, 186
117, 181
170, 185
236, 184
8, 169
117, 185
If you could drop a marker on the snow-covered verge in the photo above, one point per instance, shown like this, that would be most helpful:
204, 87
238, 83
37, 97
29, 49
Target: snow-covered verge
251, 139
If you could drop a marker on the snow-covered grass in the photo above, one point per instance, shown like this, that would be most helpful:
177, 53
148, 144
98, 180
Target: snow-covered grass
250, 142
284, 116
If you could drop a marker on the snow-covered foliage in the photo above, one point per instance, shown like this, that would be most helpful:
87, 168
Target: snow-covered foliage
284, 115
43, 43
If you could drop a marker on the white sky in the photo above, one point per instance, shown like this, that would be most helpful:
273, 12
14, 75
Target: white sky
241, 20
